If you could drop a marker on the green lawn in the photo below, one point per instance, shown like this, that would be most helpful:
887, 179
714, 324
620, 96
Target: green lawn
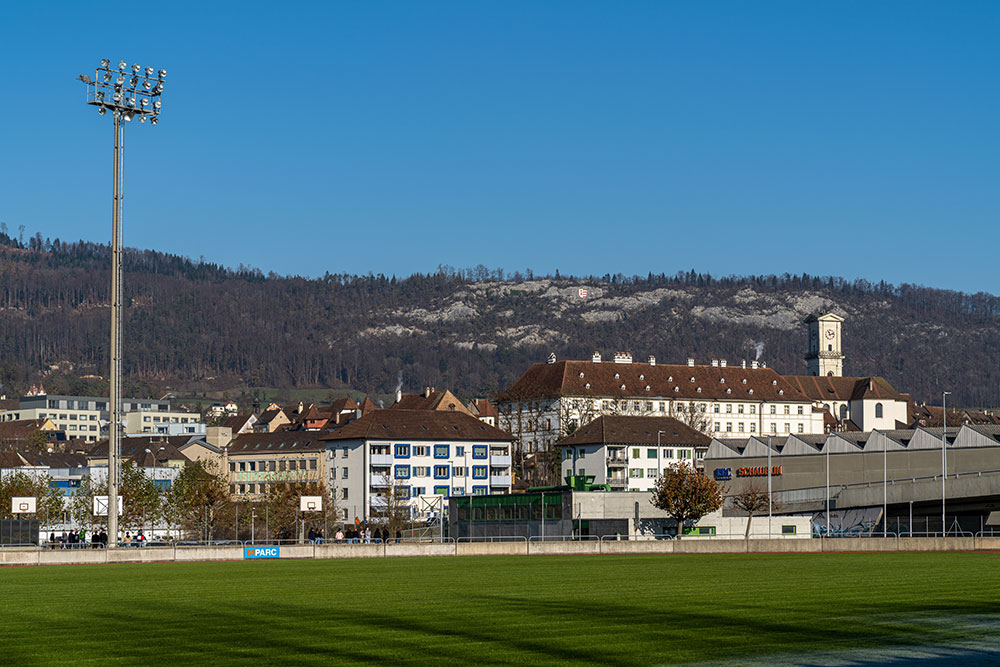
742, 609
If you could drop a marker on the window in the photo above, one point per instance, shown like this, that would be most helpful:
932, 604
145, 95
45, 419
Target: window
479, 451
635, 453
715, 408
458, 471
421, 471
699, 530
651, 473
650, 453
480, 472
232, 466
787, 427
252, 466
740, 427
668, 453
739, 408
459, 450
581, 452
441, 451
729, 427
788, 530
774, 427
788, 409
774, 409
402, 472
753, 427
418, 491
480, 490
441, 490
420, 450
441, 472
717, 426
878, 410
800, 409
662, 406
801, 428
344, 451
635, 472
243, 467
402, 451
343, 473
729, 408
843, 411
343, 493
753, 409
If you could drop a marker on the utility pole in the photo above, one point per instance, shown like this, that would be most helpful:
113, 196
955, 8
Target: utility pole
127, 94
944, 456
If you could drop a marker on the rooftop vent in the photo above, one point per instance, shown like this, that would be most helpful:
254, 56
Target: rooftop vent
699, 390
617, 376
623, 358
715, 363
781, 392
722, 363
596, 358
652, 360
647, 387
552, 358
744, 380
750, 391
774, 382
623, 387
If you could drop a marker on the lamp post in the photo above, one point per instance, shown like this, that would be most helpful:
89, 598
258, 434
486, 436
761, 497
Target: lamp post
659, 462
769, 472
127, 93
944, 455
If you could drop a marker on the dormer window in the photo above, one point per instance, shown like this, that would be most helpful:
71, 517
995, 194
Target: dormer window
750, 391
781, 392
642, 377
586, 386
774, 382
744, 380
692, 379
617, 376
722, 380
647, 387
728, 390
670, 379
699, 390
581, 374
677, 389
623, 387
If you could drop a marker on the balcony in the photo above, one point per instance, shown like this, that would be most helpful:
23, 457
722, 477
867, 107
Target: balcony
617, 461
500, 460
500, 480
617, 480
380, 459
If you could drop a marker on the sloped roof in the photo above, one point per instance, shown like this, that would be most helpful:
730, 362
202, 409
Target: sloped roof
279, 442
616, 429
236, 422
587, 378
832, 388
444, 401
54, 459
481, 407
400, 424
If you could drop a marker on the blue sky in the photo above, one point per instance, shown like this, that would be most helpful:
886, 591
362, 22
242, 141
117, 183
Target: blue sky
855, 139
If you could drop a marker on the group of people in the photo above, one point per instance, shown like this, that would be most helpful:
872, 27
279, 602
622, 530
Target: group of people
77, 539
361, 533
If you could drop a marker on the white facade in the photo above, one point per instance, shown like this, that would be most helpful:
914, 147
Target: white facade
163, 423
624, 467
363, 471
825, 356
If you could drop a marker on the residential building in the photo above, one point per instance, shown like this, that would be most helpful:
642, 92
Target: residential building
418, 455
163, 423
430, 399
630, 453
272, 419
857, 404
257, 462
79, 416
482, 409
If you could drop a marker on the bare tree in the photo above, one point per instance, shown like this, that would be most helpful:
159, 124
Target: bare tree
753, 498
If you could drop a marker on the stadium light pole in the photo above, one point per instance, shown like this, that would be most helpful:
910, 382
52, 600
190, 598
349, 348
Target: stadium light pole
769, 473
128, 93
944, 456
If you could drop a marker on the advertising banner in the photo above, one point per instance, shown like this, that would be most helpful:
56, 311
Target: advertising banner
261, 552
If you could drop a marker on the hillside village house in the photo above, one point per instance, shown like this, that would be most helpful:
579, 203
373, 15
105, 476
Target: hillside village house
420, 455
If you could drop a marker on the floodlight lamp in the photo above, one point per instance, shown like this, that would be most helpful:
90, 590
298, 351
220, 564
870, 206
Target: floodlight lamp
162, 73
127, 115
134, 81
149, 71
105, 62
122, 65
154, 120
159, 88
147, 85
100, 96
142, 119
102, 110
117, 96
107, 77
120, 80
157, 104
144, 102
130, 101
137, 68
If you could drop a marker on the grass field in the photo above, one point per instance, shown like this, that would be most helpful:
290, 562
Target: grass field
740, 609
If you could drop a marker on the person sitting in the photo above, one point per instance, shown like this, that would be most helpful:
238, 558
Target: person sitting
339, 536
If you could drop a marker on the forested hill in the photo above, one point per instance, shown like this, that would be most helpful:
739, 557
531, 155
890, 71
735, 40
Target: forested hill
472, 330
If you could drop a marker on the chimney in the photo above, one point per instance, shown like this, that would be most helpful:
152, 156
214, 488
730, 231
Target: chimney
399, 395
691, 362
623, 358
715, 363
763, 364
552, 357
754, 364
743, 363
722, 363
652, 360
427, 392
596, 358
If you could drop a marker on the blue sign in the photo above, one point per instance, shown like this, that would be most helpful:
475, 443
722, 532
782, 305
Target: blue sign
723, 473
261, 552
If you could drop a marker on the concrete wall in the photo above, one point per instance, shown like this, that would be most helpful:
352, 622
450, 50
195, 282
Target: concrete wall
30, 556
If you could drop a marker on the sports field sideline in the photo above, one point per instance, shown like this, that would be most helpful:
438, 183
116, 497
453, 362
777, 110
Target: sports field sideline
736, 609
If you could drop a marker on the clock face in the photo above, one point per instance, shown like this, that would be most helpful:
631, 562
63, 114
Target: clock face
830, 334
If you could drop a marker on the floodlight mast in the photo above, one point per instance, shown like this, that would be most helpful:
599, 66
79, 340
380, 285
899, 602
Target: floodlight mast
127, 94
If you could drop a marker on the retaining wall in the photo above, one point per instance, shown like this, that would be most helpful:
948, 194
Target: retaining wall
34, 556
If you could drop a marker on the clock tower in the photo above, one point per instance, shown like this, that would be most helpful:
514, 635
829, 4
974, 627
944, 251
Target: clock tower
824, 356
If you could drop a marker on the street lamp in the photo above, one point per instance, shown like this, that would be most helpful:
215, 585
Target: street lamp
944, 456
659, 462
127, 95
